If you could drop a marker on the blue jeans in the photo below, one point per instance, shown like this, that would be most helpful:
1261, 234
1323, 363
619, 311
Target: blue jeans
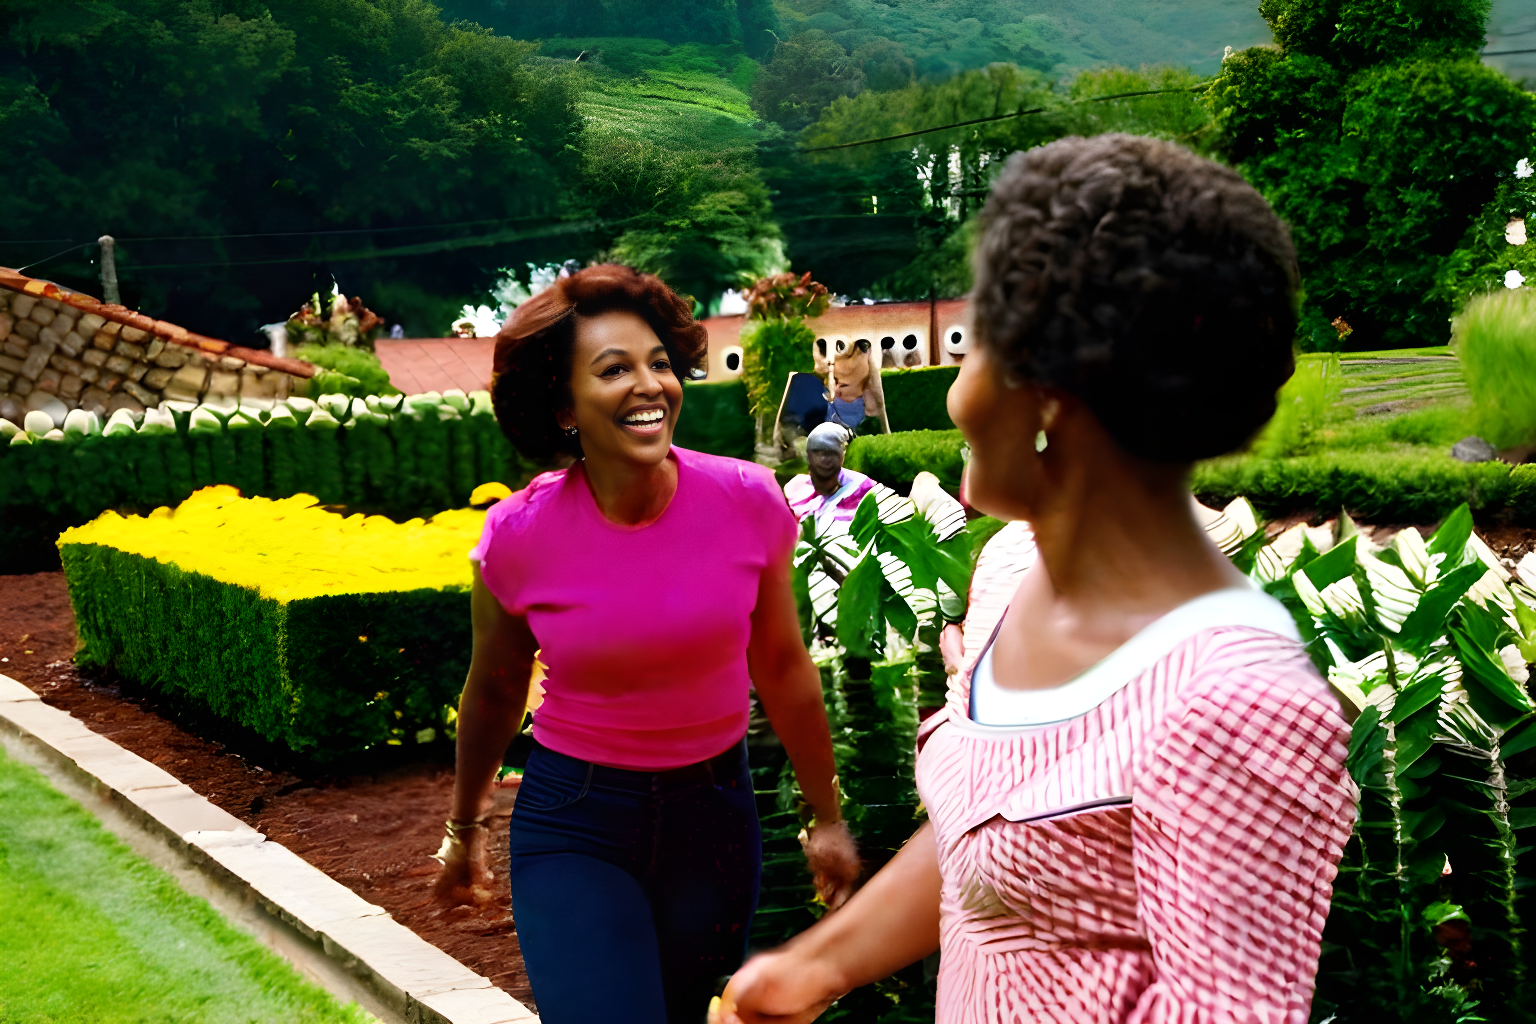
632, 892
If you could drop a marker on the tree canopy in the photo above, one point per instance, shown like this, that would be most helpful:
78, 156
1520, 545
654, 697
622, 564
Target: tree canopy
1377, 135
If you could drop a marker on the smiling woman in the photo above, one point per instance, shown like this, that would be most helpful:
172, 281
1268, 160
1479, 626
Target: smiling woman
655, 582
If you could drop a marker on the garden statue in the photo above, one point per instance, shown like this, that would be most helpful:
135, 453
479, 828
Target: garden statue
828, 492
855, 386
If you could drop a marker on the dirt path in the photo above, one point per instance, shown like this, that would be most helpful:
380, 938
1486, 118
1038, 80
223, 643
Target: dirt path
372, 831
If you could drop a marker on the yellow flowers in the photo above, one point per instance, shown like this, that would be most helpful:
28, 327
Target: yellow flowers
291, 548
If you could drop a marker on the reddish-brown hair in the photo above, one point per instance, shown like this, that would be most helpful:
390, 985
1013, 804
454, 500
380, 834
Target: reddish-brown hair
532, 370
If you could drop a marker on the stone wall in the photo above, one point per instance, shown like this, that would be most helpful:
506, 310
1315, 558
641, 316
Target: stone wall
51, 348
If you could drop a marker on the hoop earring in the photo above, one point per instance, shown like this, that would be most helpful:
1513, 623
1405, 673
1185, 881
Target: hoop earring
1042, 442
571, 431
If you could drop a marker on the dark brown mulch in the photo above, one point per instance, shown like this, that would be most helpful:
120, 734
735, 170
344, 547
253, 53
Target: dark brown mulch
370, 826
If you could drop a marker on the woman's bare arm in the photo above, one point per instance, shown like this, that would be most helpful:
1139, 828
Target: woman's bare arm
789, 686
490, 713
891, 922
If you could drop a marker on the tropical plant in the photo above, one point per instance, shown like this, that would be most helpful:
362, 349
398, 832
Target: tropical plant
1495, 338
1428, 643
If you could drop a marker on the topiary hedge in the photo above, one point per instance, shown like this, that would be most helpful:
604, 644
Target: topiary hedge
915, 399
400, 457
894, 459
280, 616
716, 419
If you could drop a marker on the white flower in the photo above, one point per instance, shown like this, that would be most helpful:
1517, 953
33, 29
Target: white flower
1514, 663
1523, 169
1514, 279
1514, 231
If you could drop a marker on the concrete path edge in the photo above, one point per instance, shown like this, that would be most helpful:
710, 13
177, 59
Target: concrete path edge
332, 936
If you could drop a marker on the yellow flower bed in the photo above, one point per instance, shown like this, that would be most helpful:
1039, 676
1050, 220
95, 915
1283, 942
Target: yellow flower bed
292, 548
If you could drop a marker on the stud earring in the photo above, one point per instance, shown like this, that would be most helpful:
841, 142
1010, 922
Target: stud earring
1042, 442
571, 430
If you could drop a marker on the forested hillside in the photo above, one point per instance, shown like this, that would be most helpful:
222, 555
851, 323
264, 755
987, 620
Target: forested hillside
246, 153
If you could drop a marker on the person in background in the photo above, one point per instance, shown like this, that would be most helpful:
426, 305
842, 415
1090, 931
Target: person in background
655, 584
1136, 792
828, 492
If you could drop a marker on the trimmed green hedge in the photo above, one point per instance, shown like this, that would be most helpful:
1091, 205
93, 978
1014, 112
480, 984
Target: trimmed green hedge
427, 456
894, 459
325, 675
915, 399
715, 419
1407, 486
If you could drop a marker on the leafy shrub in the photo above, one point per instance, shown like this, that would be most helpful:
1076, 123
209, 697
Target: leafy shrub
894, 459
715, 419
915, 399
367, 375
275, 614
771, 351
1495, 336
1486, 253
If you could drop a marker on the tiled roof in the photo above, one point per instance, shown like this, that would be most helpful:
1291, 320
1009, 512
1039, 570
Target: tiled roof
168, 332
416, 365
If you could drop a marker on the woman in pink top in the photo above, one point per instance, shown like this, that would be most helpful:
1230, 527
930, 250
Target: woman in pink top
1136, 793
656, 581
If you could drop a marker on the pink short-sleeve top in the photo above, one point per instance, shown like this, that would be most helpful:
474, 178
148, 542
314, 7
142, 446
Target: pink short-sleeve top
1163, 853
643, 630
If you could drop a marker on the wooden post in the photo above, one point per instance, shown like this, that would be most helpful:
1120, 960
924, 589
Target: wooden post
108, 271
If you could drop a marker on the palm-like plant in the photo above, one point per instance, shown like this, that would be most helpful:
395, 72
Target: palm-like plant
1428, 643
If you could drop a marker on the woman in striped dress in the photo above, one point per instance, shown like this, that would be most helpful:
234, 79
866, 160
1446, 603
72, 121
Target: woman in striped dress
1136, 793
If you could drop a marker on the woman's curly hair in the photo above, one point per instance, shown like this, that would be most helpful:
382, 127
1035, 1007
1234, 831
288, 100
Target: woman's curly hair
531, 381
1153, 284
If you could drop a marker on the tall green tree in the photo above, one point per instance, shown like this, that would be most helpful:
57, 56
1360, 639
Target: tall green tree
353, 138
1377, 134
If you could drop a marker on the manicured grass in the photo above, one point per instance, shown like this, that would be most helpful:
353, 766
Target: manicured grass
90, 933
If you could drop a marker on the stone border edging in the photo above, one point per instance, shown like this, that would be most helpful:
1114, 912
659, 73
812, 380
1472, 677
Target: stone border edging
336, 938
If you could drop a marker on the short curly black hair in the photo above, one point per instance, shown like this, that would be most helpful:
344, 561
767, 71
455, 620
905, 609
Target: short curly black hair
531, 378
1155, 285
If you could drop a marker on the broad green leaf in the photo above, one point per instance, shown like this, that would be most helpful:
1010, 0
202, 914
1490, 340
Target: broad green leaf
1415, 734
1522, 817
1338, 563
859, 617
1519, 739
1427, 622
1420, 825
1451, 539
866, 520
1486, 671
1423, 767
898, 613
1416, 695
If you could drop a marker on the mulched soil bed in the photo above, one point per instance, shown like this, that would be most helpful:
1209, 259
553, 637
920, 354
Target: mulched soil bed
372, 830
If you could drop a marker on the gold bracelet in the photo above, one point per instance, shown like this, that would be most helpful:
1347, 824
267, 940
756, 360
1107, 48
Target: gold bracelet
455, 827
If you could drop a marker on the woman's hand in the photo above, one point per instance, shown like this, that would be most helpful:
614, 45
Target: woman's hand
952, 648
781, 987
833, 858
465, 878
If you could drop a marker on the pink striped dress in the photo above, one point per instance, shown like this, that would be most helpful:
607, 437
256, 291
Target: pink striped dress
1161, 851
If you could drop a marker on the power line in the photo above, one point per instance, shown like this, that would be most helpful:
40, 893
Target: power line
286, 234
1000, 117
1502, 53
55, 256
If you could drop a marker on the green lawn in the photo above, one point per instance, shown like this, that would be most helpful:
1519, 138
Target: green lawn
89, 932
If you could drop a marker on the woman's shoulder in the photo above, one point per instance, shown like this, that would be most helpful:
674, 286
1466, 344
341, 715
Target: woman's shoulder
733, 480
521, 509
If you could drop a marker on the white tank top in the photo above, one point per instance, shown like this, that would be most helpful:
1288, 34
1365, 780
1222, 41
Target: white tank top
992, 705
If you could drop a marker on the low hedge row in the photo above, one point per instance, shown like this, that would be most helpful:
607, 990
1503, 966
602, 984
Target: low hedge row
1418, 485
894, 459
916, 399
1412, 486
326, 633
716, 419
402, 458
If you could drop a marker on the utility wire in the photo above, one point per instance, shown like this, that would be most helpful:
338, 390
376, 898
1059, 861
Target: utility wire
55, 256
1502, 53
1000, 117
